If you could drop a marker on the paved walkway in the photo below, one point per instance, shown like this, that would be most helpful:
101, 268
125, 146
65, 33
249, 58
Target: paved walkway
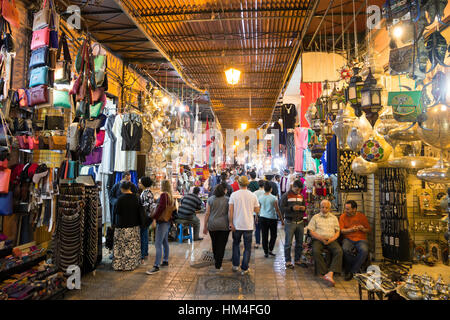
268, 279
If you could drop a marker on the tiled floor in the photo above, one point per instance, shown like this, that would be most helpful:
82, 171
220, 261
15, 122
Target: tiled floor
268, 279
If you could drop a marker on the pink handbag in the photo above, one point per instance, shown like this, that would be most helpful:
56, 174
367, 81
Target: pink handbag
5, 175
41, 38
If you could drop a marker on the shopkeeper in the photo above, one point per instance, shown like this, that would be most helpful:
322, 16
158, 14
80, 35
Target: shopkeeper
116, 192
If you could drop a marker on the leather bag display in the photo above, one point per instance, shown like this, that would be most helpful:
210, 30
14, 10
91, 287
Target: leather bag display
23, 99
58, 142
41, 38
10, 12
41, 18
63, 67
61, 99
38, 95
39, 76
5, 176
6, 204
39, 58
406, 105
54, 123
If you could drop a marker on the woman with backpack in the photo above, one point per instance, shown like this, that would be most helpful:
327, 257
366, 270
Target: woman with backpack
161, 220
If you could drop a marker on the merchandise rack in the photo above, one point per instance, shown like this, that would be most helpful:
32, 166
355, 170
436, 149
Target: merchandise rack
21, 267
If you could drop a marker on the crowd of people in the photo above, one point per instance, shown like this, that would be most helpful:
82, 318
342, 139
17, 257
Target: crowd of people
239, 203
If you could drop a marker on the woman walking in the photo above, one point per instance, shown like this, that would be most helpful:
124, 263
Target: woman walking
268, 219
147, 202
216, 222
161, 220
127, 248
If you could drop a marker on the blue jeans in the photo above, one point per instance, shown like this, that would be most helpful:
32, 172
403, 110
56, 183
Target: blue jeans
237, 235
144, 242
257, 231
162, 240
291, 230
362, 248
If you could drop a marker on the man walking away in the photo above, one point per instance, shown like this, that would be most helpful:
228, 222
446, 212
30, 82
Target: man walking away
242, 205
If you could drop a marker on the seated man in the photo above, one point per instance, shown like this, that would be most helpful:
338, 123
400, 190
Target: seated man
354, 227
324, 229
186, 212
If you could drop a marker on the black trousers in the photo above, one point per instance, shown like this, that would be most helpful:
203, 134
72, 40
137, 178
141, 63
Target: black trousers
219, 241
266, 225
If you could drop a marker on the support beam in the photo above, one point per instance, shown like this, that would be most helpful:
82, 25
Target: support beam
150, 22
114, 29
126, 40
93, 13
136, 50
182, 11
320, 24
230, 52
149, 60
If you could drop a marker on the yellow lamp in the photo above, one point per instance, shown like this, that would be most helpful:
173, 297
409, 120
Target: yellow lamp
243, 126
233, 76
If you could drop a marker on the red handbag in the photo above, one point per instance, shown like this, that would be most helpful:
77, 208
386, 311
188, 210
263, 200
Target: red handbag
33, 143
4, 164
10, 12
23, 142
23, 100
97, 94
41, 38
76, 86
5, 175
100, 138
38, 95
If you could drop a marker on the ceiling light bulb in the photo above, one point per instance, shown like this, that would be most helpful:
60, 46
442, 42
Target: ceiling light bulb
243, 126
165, 100
233, 76
397, 32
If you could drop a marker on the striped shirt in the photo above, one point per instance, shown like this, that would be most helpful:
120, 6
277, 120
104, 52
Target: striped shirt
189, 205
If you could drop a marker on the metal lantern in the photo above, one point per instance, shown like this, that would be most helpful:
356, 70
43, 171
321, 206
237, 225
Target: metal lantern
371, 98
353, 91
335, 104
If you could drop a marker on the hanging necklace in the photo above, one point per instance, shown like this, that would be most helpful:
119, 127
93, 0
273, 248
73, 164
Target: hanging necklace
288, 109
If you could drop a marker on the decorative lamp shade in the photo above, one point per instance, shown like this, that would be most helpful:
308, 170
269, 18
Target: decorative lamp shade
372, 151
363, 167
233, 76
371, 98
354, 91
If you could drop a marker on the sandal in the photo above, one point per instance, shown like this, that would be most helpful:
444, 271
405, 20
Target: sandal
328, 281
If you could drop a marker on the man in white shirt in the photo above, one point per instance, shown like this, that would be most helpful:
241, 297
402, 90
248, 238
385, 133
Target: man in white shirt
324, 229
242, 205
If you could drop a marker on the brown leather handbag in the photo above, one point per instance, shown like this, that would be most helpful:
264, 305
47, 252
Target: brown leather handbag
170, 208
58, 142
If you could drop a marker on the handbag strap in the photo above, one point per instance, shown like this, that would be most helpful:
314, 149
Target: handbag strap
5, 128
63, 46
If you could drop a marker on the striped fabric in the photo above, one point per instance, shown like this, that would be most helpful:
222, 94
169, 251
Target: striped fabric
189, 205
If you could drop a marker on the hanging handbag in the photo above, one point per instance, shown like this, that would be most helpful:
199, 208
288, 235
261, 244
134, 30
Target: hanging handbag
95, 110
41, 38
95, 157
63, 68
6, 39
4, 164
23, 142
38, 95
87, 141
39, 57
100, 69
73, 136
406, 105
5, 176
54, 123
41, 18
100, 138
44, 143
76, 85
6, 204
58, 142
401, 60
61, 99
10, 12
22, 96
33, 143
80, 57
167, 213
97, 94
82, 109
39, 76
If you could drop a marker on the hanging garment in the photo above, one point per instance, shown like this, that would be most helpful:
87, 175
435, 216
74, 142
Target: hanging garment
108, 156
281, 133
124, 160
308, 163
309, 92
289, 114
104, 197
331, 156
290, 149
132, 130
301, 143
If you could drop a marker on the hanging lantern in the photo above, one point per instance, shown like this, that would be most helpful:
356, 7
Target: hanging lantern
371, 98
336, 103
233, 76
317, 146
353, 91
342, 125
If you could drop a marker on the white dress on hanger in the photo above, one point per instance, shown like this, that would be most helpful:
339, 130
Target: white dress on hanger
125, 160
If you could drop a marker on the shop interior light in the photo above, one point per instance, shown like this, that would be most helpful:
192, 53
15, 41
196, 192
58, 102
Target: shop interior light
243, 126
165, 100
236, 143
397, 32
233, 76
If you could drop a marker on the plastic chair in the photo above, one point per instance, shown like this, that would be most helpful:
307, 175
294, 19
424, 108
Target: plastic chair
181, 236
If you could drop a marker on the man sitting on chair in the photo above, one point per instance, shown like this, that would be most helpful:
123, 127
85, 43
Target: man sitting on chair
324, 229
354, 227
186, 212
